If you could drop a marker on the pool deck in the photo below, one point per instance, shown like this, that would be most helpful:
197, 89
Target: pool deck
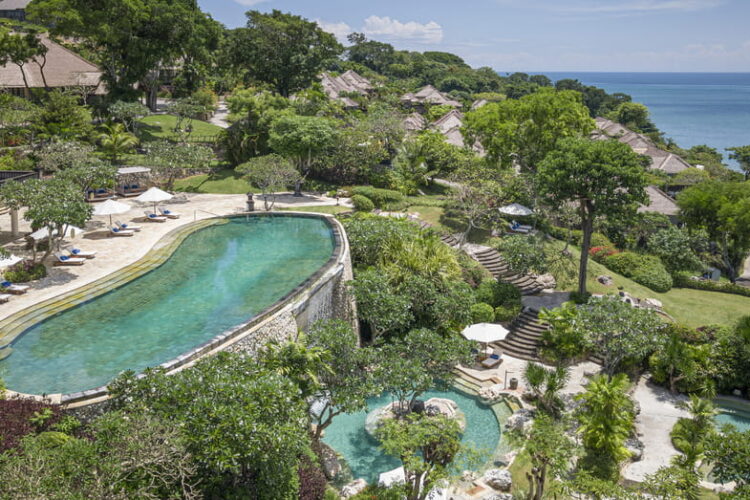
115, 253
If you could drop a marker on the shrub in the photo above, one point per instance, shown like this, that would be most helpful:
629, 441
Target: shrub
25, 271
601, 253
482, 313
496, 293
580, 298
646, 270
472, 272
17, 416
599, 240
380, 197
505, 314
362, 203
312, 480
685, 280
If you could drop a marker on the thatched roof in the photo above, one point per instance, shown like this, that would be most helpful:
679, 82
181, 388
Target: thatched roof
414, 122
452, 119
660, 159
347, 82
429, 95
64, 68
479, 103
659, 202
14, 4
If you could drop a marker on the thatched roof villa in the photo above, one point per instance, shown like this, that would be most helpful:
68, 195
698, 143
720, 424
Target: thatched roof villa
14, 9
660, 203
348, 82
429, 95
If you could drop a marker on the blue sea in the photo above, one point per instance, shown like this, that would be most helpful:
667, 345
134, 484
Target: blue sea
690, 108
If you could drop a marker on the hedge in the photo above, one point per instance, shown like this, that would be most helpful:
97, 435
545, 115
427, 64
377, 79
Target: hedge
482, 313
496, 293
504, 314
684, 280
362, 203
380, 197
597, 239
646, 270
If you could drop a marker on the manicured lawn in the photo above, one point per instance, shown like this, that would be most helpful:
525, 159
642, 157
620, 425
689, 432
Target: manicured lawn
155, 127
222, 182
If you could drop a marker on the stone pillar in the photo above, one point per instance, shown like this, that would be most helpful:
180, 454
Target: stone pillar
250, 203
14, 223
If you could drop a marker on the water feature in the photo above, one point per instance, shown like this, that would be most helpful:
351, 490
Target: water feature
347, 434
735, 412
219, 277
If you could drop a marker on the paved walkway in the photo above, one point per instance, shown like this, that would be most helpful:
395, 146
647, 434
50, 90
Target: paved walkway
113, 253
219, 118
659, 413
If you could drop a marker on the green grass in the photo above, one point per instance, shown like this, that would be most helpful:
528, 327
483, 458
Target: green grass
518, 469
225, 181
155, 127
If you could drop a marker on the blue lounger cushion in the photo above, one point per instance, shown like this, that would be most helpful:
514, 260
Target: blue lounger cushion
5, 284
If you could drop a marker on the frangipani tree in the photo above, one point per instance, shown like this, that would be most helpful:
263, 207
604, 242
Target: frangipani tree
270, 173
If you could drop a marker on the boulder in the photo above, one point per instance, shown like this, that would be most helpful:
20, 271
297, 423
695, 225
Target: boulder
635, 447
498, 479
570, 402
652, 303
737, 393
520, 421
492, 393
331, 463
351, 489
547, 281
605, 280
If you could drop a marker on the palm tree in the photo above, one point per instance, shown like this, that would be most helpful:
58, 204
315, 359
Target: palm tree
410, 168
546, 385
300, 363
115, 140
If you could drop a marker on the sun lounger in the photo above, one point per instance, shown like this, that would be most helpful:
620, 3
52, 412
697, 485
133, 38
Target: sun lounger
494, 360
9, 287
5, 298
154, 218
129, 227
169, 213
519, 229
116, 231
76, 252
64, 260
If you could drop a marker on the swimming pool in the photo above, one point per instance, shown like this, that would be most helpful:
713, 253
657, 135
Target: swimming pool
347, 434
733, 411
219, 277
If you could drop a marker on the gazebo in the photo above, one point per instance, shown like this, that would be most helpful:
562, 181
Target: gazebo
131, 181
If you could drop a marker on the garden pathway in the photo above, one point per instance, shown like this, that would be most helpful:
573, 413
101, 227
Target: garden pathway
219, 118
659, 413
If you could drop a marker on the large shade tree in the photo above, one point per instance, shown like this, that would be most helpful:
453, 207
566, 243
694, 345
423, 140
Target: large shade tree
283, 50
722, 209
602, 178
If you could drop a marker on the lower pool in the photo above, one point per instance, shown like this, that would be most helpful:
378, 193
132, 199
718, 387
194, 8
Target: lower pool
347, 434
734, 412
217, 278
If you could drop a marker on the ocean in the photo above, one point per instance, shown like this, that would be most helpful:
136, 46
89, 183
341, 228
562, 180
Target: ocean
690, 108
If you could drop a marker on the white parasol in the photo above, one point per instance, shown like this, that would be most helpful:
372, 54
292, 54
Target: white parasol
111, 207
516, 209
485, 332
154, 195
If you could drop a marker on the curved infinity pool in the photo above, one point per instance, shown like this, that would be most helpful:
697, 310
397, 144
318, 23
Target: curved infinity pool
218, 278
347, 434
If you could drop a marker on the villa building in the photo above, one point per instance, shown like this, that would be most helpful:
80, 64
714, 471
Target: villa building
350, 82
414, 122
660, 203
14, 9
429, 95
60, 69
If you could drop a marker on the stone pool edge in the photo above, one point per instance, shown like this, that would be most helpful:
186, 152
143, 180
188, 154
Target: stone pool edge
297, 302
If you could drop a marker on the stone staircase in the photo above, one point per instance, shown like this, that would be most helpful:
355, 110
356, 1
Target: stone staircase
495, 264
525, 335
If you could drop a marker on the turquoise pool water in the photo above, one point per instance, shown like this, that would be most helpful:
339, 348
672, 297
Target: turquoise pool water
734, 413
348, 437
219, 277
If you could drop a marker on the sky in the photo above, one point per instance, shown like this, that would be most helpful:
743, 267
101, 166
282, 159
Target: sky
538, 35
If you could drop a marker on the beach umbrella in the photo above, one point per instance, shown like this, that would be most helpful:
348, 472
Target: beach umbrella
111, 207
154, 195
9, 261
42, 234
516, 209
485, 332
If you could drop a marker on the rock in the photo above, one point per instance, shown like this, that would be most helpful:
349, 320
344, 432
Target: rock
635, 447
520, 420
652, 303
469, 475
546, 281
331, 463
498, 496
570, 402
492, 394
353, 488
737, 393
499, 479
605, 280
636, 406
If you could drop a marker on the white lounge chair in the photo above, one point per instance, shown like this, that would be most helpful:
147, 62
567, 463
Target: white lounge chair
151, 217
5, 298
129, 227
64, 260
76, 252
495, 359
116, 231
168, 213
14, 289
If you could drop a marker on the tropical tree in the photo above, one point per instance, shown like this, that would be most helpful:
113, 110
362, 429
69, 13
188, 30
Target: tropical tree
21, 48
60, 118
729, 453
410, 171
674, 482
93, 174
299, 362
384, 309
269, 173
300, 139
116, 141
127, 113
61, 155
545, 384
51, 204
722, 210
690, 435
252, 112
283, 50
606, 415
603, 178
742, 155
682, 366
523, 131
563, 342
171, 160
426, 446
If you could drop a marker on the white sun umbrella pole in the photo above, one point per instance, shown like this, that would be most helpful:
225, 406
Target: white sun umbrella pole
111, 207
154, 195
